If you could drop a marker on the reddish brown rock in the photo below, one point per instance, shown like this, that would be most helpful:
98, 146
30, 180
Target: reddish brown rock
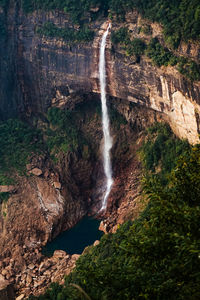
57, 185
7, 188
36, 172
59, 254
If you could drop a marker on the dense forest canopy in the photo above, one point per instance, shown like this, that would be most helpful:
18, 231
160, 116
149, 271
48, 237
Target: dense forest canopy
180, 18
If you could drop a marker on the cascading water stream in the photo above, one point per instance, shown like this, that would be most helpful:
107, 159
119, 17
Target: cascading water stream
105, 122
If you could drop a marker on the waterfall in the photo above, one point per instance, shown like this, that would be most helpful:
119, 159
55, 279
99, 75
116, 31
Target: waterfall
105, 122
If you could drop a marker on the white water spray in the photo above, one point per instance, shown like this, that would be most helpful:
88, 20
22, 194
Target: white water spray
105, 121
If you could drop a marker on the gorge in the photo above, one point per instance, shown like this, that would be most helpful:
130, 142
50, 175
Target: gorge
51, 170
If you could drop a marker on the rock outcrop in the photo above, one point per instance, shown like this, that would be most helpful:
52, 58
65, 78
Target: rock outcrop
54, 69
49, 70
46, 72
35, 278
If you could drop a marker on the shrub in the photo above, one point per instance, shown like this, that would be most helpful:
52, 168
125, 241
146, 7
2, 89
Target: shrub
18, 141
73, 36
161, 150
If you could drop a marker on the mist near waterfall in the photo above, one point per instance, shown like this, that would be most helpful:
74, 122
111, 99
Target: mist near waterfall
105, 121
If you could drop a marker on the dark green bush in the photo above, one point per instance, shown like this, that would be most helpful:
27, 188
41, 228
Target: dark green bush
70, 35
162, 56
121, 36
189, 69
4, 197
161, 150
18, 141
136, 47
63, 134
159, 55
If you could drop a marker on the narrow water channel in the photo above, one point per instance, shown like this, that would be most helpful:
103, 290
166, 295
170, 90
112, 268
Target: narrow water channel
73, 241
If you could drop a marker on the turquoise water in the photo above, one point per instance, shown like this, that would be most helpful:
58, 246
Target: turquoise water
73, 241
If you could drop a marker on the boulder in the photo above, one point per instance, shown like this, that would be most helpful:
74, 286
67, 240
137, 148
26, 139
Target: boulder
36, 172
20, 297
96, 243
29, 279
57, 185
59, 254
31, 266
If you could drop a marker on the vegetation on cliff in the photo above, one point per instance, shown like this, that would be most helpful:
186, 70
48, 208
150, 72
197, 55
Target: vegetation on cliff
18, 140
71, 35
160, 152
61, 133
132, 47
160, 56
180, 19
156, 256
163, 56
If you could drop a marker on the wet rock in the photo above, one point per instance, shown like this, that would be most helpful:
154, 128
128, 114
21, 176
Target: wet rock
59, 254
103, 227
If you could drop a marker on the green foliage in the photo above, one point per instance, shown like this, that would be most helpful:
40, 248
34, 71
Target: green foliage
63, 135
70, 35
159, 55
4, 197
116, 118
189, 69
78, 9
17, 142
121, 36
161, 150
180, 19
135, 47
162, 56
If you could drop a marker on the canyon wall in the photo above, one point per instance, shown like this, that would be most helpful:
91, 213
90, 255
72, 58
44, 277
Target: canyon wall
48, 70
39, 72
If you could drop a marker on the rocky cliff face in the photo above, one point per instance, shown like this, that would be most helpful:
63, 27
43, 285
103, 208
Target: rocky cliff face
40, 72
49, 70
53, 197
